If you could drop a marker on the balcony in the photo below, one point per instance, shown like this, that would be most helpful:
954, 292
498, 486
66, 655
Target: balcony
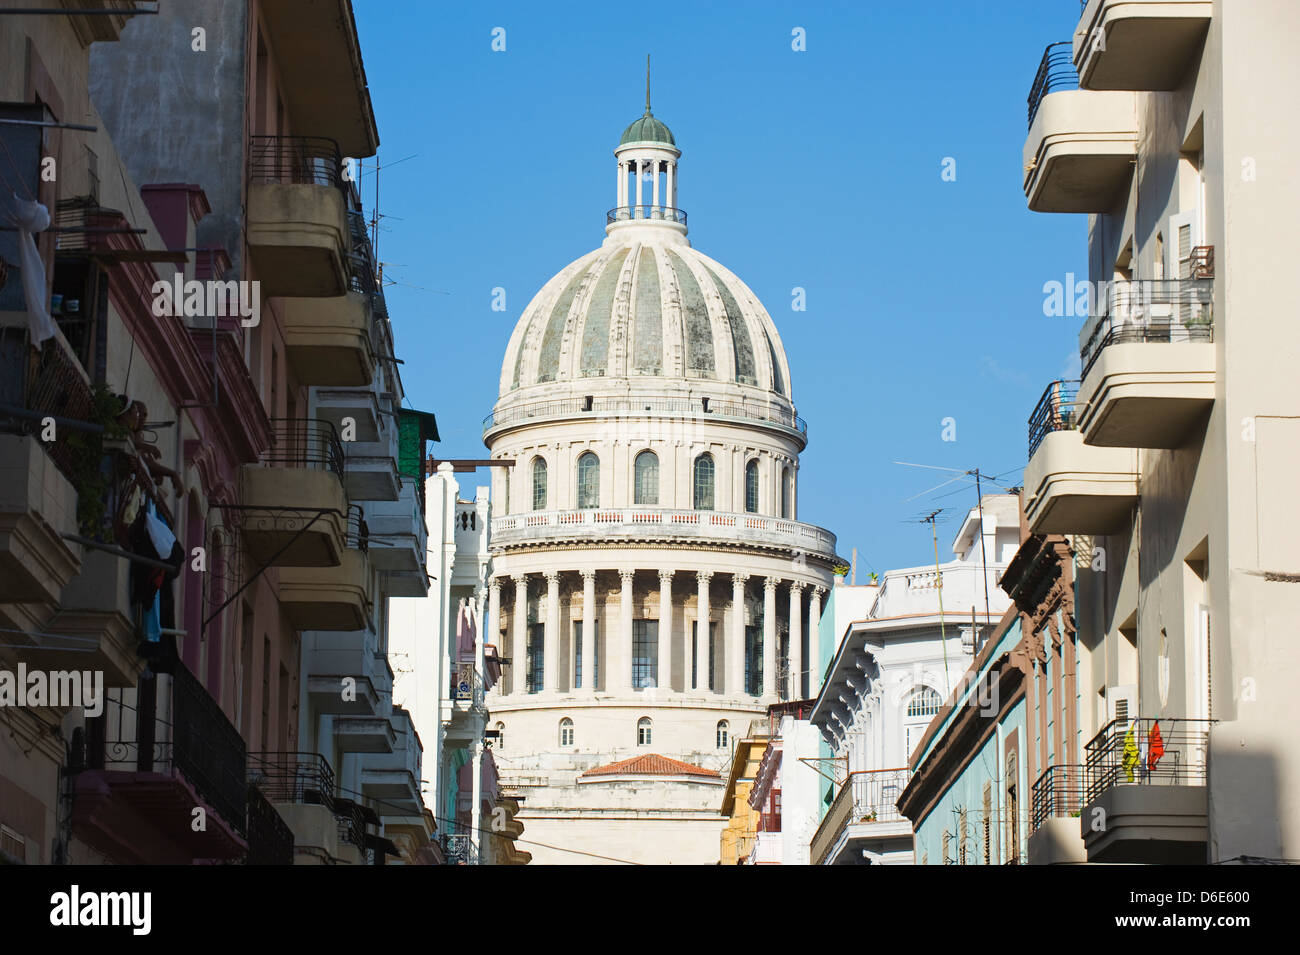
321, 72
1146, 781
330, 658
328, 598
301, 787
1139, 44
399, 540
646, 212
270, 840
864, 822
95, 623
1149, 363
393, 780
1071, 487
327, 340
149, 761
766, 850
1058, 799
1079, 153
293, 510
296, 221
38, 505
364, 734
649, 525
744, 411
372, 468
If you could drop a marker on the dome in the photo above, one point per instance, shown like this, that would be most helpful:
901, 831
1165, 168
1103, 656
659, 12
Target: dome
647, 129
645, 305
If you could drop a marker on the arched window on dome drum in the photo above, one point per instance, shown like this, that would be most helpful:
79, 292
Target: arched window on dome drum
588, 480
501, 735
704, 472
721, 739
785, 494
539, 484
643, 731
751, 487
566, 732
646, 478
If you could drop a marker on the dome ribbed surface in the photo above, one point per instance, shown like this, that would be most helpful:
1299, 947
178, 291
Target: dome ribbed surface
647, 129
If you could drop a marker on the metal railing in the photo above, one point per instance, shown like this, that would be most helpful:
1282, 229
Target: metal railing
1055, 411
869, 796
295, 160
633, 407
457, 847
1150, 310
1059, 791
198, 742
270, 840
304, 778
350, 817
1145, 751
1056, 72
56, 387
466, 685
645, 211
358, 533
662, 523
304, 443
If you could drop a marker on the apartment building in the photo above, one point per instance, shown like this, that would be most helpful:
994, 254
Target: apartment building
1171, 462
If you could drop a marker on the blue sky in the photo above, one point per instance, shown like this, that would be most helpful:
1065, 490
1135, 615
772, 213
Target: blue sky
818, 169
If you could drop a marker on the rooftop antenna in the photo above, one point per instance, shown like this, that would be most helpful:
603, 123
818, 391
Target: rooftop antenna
938, 582
647, 84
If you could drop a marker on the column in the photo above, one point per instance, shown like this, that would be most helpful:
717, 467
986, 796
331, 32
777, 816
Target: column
702, 632
666, 629
814, 634
476, 796
620, 185
551, 634
480, 668
621, 662
638, 187
654, 193
492, 628
589, 632
796, 640
672, 196
736, 649
519, 652
769, 637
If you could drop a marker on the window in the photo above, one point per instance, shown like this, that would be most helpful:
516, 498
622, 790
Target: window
721, 738
751, 487
588, 480
643, 731
704, 482
645, 654
785, 493
536, 657
501, 735
695, 648
753, 660
924, 702
539, 484
945, 843
646, 480
1013, 805
566, 732
577, 653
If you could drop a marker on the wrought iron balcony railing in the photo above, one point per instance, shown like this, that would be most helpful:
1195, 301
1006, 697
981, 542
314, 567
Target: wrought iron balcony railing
645, 211
466, 685
295, 160
304, 443
358, 533
304, 778
869, 796
1148, 752
457, 847
1150, 310
1056, 72
633, 407
1055, 411
1059, 791
198, 742
270, 840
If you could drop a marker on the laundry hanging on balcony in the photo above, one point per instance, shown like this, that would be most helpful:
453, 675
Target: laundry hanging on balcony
152, 586
1155, 747
466, 632
30, 217
1130, 759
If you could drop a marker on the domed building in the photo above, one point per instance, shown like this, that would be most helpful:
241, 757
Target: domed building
646, 403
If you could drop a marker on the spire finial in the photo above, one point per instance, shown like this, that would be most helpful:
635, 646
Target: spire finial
647, 84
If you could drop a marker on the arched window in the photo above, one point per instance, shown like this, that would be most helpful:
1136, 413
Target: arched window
643, 731
785, 493
704, 482
751, 486
588, 480
501, 735
646, 469
566, 732
924, 702
721, 740
539, 484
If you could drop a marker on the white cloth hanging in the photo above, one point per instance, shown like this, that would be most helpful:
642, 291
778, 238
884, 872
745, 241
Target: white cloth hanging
31, 217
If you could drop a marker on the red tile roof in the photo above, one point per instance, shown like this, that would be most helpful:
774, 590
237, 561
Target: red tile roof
651, 764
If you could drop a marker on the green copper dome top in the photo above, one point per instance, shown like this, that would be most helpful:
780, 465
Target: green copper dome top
647, 129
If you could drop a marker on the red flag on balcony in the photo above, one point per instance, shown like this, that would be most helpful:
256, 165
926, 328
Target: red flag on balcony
1155, 747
